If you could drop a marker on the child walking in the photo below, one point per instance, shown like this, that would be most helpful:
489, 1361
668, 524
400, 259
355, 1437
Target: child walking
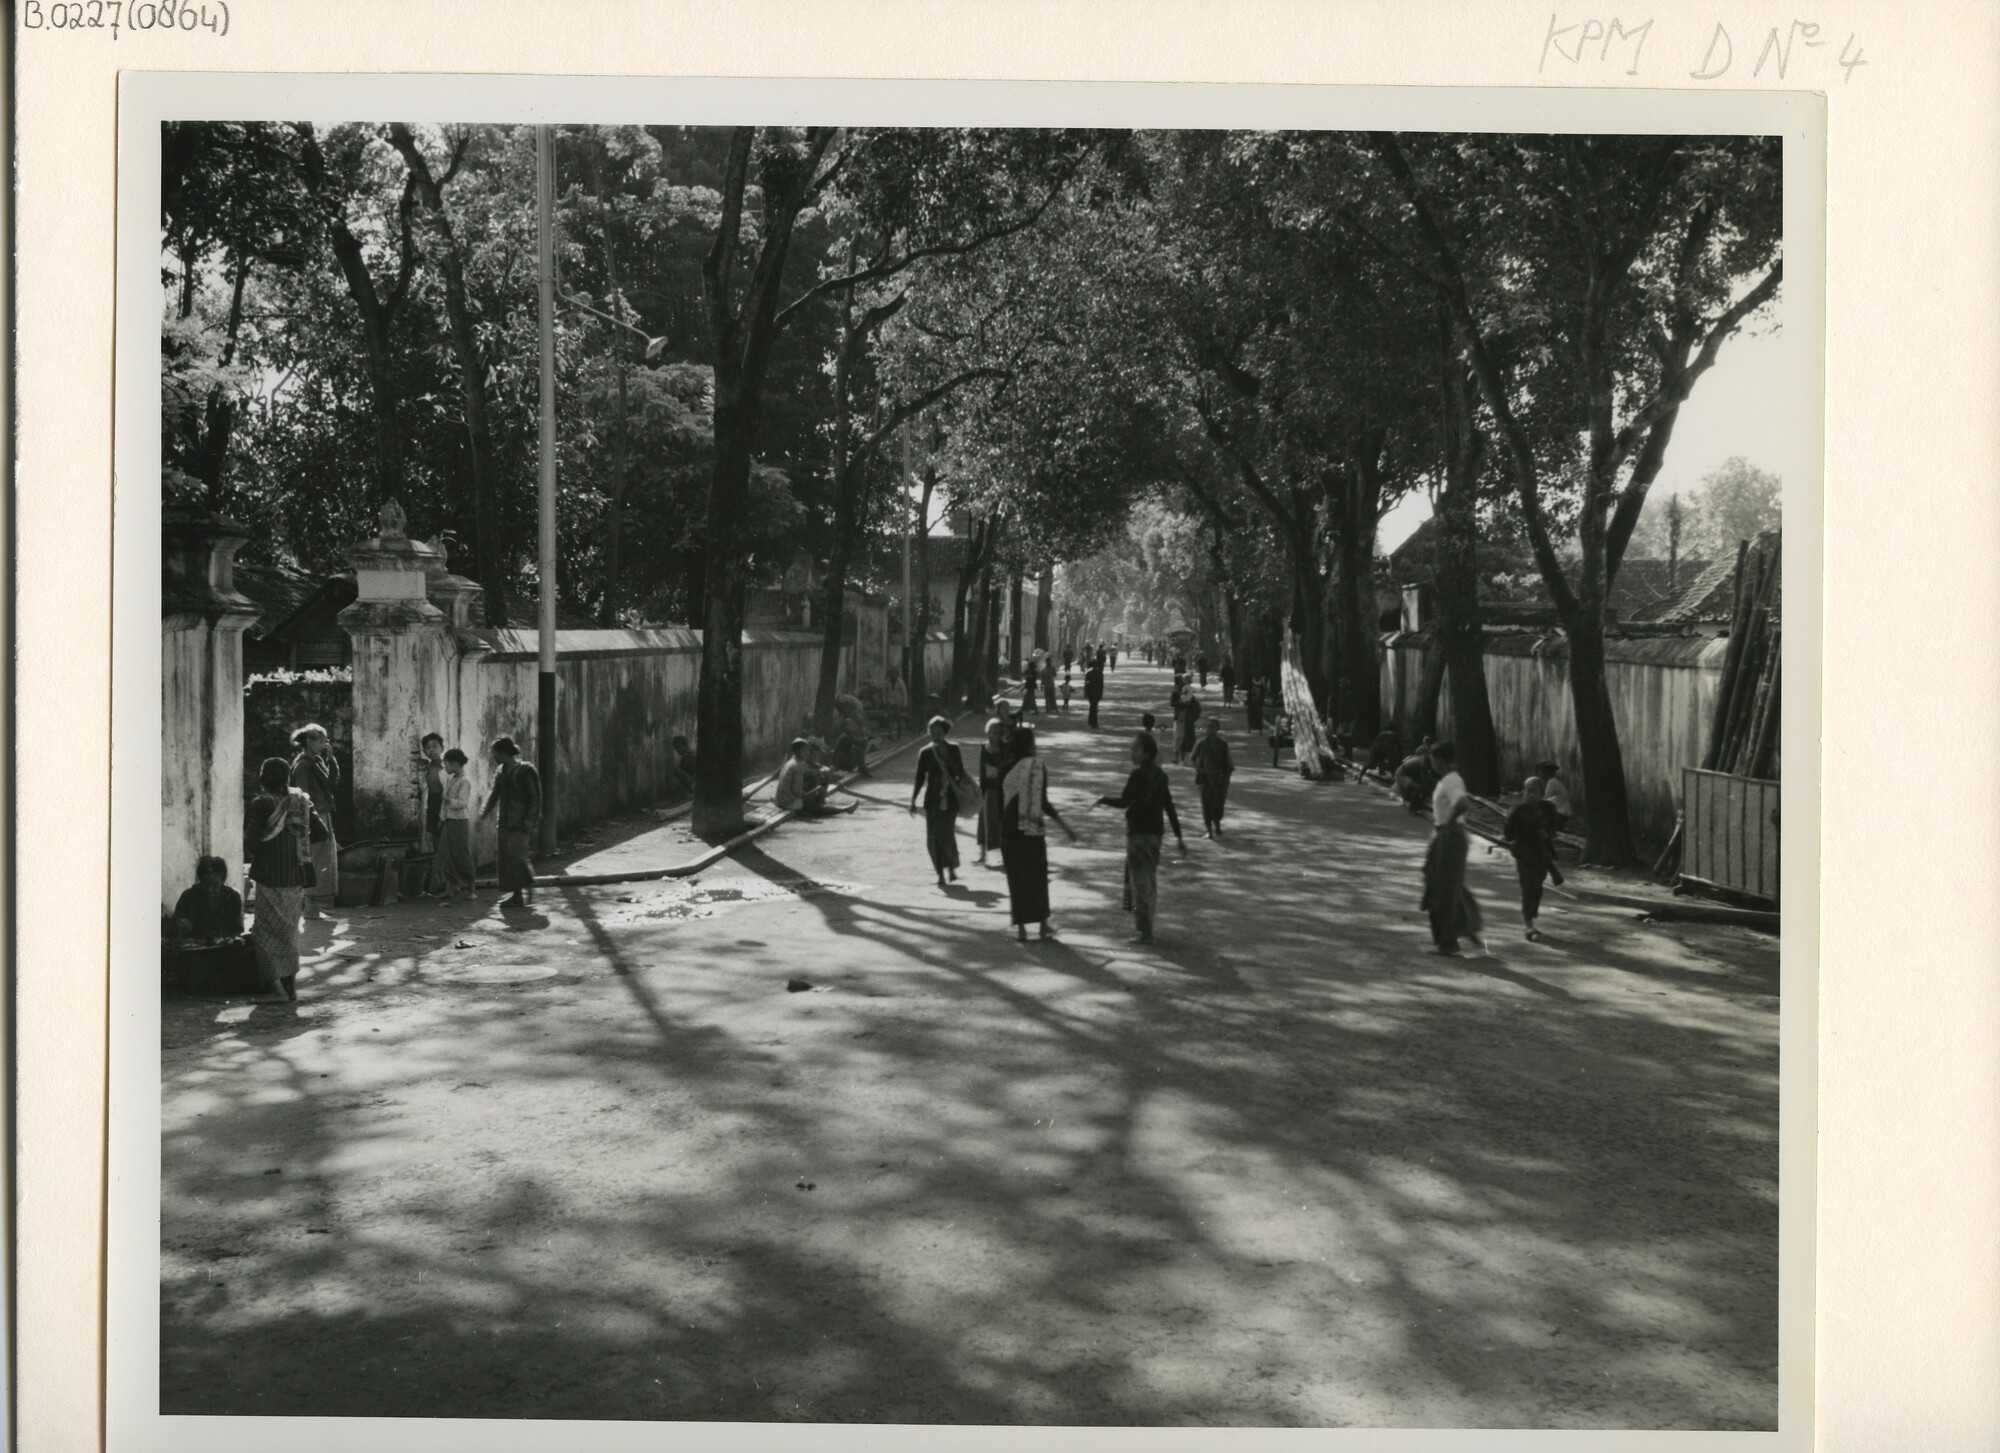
1527, 835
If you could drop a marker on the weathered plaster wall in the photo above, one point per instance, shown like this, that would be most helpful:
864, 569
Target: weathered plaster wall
1662, 696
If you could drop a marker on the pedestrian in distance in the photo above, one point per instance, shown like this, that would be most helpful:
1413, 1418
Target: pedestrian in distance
1184, 731
1093, 687
1049, 685
1114, 658
1253, 706
1146, 722
1025, 812
1530, 839
1065, 688
277, 842
1454, 912
995, 757
1031, 682
316, 772
1228, 678
1212, 769
1148, 801
454, 853
1201, 668
516, 798
940, 777
1555, 793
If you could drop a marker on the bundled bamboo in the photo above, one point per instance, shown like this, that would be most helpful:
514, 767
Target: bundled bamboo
1310, 743
1743, 737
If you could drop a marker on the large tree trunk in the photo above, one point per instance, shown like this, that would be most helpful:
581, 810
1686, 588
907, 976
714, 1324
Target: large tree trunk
1044, 603
488, 546
1460, 633
920, 617
965, 626
614, 512
1430, 690
1016, 595
1607, 828
718, 788
1355, 503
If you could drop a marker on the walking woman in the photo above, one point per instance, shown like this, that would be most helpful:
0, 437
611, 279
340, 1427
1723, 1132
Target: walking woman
277, 840
316, 771
1253, 706
1212, 769
1454, 911
517, 795
1190, 713
454, 850
1024, 847
940, 775
1148, 801
994, 760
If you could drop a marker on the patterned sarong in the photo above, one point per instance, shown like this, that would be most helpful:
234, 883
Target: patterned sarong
274, 932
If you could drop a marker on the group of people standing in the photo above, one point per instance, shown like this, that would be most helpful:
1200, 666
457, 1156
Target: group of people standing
293, 853
1529, 834
1010, 799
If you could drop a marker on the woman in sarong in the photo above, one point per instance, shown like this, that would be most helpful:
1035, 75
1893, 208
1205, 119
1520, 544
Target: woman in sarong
1212, 770
516, 795
277, 841
1454, 912
940, 776
1024, 847
994, 760
454, 852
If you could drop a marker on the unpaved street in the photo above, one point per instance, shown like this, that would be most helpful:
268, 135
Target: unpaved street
1284, 1168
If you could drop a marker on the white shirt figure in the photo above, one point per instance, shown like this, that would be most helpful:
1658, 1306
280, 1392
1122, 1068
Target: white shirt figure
1556, 795
1444, 802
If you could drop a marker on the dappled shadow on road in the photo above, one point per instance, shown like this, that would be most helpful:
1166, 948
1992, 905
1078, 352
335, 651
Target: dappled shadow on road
1281, 1169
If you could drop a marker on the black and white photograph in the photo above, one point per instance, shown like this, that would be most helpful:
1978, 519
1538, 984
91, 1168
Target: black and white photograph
975, 774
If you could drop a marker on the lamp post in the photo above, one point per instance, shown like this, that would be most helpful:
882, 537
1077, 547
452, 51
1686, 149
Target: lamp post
545, 703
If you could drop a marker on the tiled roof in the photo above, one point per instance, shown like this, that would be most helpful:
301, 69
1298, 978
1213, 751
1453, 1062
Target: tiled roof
1712, 595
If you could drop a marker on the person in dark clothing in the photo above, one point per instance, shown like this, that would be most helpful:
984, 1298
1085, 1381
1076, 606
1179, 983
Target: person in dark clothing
1416, 779
680, 771
516, 796
1093, 686
1228, 678
1146, 720
940, 777
1049, 685
1253, 706
211, 910
1031, 682
1531, 840
1212, 769
1454, 912
1201, 668
1114, 658
277, 842
1148, 800
1385, 755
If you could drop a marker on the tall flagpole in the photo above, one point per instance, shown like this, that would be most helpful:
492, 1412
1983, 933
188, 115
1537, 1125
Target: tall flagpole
545, 704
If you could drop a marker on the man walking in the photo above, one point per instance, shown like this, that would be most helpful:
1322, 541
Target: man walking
516, 795
1093, 685
1212, 769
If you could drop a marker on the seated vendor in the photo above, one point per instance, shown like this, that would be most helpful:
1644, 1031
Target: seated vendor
211, 910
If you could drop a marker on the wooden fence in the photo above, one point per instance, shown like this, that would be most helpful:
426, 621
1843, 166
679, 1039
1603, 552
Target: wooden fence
1730, 832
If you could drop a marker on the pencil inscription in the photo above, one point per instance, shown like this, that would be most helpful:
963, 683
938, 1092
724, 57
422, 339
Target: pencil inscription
116, 15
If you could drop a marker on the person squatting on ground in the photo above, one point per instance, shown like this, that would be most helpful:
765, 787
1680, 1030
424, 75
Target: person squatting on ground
801, 789
1529, 837
1148, 800
1453, 910
1416, 779
994, 760
680, 771
1385, 755
1093, 685
316, 772
516, 795
277, 842
453, 867
1212, 769
940, 774
1024, 845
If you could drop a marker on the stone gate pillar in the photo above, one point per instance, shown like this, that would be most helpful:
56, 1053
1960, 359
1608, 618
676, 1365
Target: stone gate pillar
202, 620
403, 665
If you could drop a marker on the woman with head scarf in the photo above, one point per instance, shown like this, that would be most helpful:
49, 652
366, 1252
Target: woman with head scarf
940, 776
1024, 848
277, 841
316, 772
